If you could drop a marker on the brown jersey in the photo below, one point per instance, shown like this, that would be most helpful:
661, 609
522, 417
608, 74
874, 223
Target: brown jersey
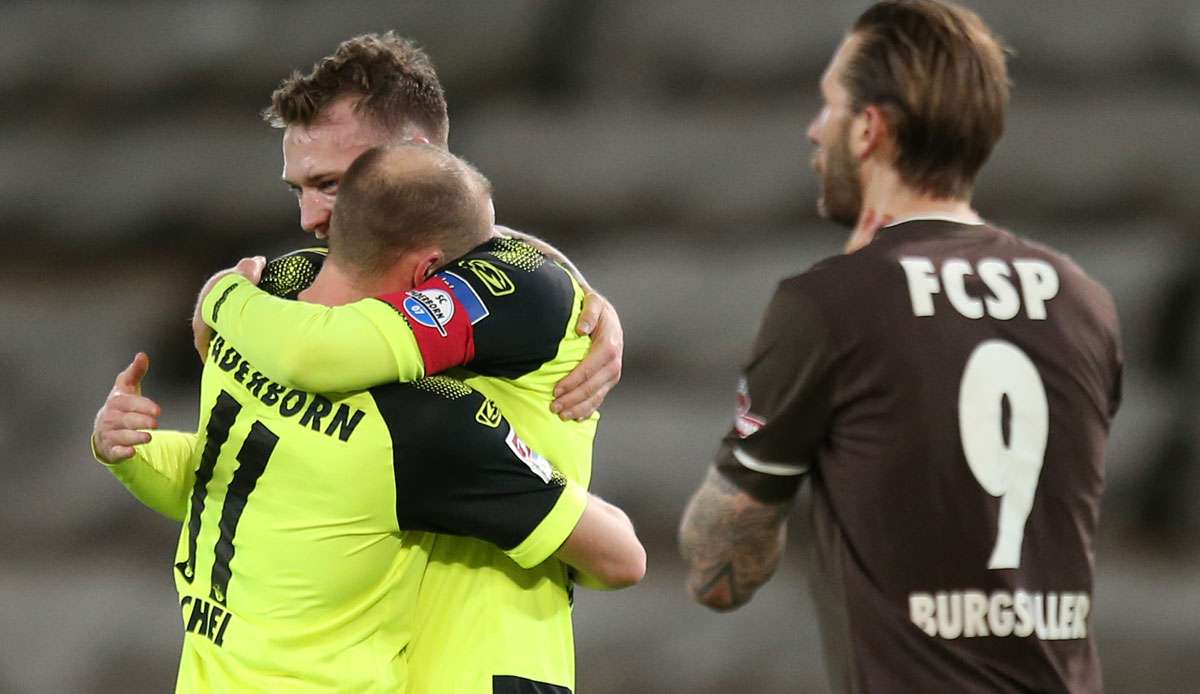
948, 389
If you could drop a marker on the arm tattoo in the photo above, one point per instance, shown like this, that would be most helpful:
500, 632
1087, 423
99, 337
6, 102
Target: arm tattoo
731, 541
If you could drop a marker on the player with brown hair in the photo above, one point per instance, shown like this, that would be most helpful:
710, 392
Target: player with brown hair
301, 563
521, 316
946, 386
380, 89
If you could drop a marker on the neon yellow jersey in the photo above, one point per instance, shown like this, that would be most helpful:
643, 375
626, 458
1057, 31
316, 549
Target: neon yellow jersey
293, 571
502, 319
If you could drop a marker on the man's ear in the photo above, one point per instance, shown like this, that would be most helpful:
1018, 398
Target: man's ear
429, 261
870, 133
489, 212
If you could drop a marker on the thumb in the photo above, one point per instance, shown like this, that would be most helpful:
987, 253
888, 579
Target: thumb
130, 380
251, 268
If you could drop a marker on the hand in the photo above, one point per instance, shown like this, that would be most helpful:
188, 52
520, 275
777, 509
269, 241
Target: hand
125, 413
251, 269
581, 392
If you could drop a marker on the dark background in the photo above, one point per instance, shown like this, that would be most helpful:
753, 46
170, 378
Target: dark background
662, 145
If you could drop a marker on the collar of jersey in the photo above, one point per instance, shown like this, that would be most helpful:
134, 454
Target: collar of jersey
935, 218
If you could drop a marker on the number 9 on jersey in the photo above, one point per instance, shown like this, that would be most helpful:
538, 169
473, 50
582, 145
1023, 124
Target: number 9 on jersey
997, 371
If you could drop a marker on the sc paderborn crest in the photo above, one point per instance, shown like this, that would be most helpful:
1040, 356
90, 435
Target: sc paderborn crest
432, 308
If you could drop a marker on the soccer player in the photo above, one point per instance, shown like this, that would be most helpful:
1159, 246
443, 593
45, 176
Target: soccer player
293, 568
947, 387
502, 311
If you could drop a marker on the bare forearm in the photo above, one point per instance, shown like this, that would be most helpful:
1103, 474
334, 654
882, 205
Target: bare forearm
731, 542
604, 548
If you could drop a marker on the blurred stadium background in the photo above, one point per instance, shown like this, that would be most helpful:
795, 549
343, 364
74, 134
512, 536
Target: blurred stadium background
662, 145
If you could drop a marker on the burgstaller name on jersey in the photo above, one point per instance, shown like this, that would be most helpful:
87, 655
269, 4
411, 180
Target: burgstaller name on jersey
973, 613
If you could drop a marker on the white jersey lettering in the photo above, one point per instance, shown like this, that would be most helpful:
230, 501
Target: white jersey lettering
1038, 280
966, 614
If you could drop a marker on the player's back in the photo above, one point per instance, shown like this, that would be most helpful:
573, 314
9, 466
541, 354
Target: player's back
292, 571
301, 557
974, 377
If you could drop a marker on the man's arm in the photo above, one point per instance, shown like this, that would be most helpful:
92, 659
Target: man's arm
159, 473
156, 468
733, 532
581, 392
251, 269
365, 344
307, 346
461, 469
731, 542
604, 548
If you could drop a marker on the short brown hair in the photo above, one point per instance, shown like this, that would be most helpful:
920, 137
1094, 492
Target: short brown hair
395, 198
393, 76
939, 75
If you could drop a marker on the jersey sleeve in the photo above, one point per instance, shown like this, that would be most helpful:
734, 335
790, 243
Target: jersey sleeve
783, 400
312, 347
554, 529
501, 310
160, 473
461, 469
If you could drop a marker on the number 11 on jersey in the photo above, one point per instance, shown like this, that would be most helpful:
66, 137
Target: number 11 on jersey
252, 460
998, 372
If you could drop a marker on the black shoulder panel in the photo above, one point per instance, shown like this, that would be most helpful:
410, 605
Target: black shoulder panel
528, 300
455, 469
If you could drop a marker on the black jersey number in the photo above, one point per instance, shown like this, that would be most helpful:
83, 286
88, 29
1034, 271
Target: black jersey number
998, 372
252, 461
